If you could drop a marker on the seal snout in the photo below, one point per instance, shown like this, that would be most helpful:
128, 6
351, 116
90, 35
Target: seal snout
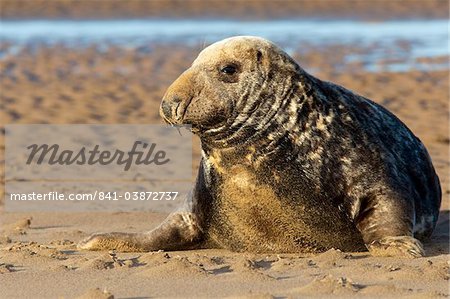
176, 100
172, 109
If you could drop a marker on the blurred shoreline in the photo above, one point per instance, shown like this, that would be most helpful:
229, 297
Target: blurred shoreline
48, 80
395, 46
237, 9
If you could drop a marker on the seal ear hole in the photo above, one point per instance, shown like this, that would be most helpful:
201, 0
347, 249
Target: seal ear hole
259, 55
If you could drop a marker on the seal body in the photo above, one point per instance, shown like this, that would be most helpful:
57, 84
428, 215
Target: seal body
291, 163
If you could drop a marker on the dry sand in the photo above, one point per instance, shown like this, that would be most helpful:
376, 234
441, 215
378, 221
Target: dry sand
38, 255
42, 262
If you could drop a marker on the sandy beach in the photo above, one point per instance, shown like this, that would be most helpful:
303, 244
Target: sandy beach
58, 84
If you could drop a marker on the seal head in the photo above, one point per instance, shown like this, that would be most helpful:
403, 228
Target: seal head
230, 87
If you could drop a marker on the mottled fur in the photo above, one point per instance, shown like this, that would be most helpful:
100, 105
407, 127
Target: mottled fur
291, 163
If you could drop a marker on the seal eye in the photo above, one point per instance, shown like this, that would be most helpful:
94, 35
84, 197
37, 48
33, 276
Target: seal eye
229, 69
229, 73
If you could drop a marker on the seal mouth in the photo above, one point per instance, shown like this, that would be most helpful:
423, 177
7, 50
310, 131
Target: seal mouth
180, 111
173, 111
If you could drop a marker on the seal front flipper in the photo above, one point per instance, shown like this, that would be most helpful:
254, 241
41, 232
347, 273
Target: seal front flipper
180, 230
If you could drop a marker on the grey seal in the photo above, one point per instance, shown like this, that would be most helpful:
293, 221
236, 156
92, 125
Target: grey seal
290, 163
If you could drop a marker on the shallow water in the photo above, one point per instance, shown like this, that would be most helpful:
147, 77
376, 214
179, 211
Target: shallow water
386, 40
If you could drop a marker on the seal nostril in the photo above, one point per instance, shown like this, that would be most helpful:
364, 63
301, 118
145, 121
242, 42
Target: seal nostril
170, 107
176, 100
165, 107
